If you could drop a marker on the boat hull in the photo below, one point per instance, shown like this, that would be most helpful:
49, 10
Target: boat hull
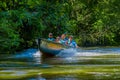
50, 47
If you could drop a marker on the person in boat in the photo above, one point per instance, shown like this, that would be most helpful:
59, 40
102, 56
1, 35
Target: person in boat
57, 39
71, 42
63, 39
50, 37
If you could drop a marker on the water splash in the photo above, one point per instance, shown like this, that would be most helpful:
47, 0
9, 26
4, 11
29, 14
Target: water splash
88, 52
37, 54
98, 52
67, 52
72, 52
29, 53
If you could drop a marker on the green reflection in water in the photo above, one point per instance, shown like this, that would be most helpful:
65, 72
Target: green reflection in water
100, 67
79, 71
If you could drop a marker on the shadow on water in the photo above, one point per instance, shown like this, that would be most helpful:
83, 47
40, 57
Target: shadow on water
70, 64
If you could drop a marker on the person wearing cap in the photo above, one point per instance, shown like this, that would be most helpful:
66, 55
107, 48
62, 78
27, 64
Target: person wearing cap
50, 37
71, 42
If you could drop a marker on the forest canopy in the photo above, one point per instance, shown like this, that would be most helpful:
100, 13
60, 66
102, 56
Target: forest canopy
91, 22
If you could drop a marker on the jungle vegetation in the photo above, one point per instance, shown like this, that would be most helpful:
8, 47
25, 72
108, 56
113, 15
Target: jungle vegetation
91, 22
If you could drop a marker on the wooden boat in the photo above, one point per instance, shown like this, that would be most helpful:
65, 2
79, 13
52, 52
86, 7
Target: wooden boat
50, 47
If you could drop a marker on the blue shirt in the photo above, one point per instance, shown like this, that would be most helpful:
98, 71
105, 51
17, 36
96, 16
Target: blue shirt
50, 39
72, 44
63, 41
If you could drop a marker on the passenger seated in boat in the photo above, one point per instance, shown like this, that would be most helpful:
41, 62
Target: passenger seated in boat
63, 39
71, 42
57, 39
50, 37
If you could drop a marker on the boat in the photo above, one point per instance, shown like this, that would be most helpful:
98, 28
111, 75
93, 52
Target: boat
50, 47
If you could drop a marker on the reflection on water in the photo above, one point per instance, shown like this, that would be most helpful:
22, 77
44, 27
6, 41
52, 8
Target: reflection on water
65, 77
37, 57
70, 64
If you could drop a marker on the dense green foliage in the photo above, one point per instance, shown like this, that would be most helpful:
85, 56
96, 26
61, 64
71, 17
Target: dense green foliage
92, 22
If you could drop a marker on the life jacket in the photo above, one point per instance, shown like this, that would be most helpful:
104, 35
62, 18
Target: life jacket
51, 39
72, 43
62, 41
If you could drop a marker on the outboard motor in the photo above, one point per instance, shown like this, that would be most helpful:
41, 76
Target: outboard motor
38, 41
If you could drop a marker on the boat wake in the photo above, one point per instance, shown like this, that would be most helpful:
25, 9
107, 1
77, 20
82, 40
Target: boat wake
72, 52
66, 56
67, 52
29, 53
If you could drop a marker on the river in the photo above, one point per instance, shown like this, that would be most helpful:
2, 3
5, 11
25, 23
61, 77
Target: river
91, 63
